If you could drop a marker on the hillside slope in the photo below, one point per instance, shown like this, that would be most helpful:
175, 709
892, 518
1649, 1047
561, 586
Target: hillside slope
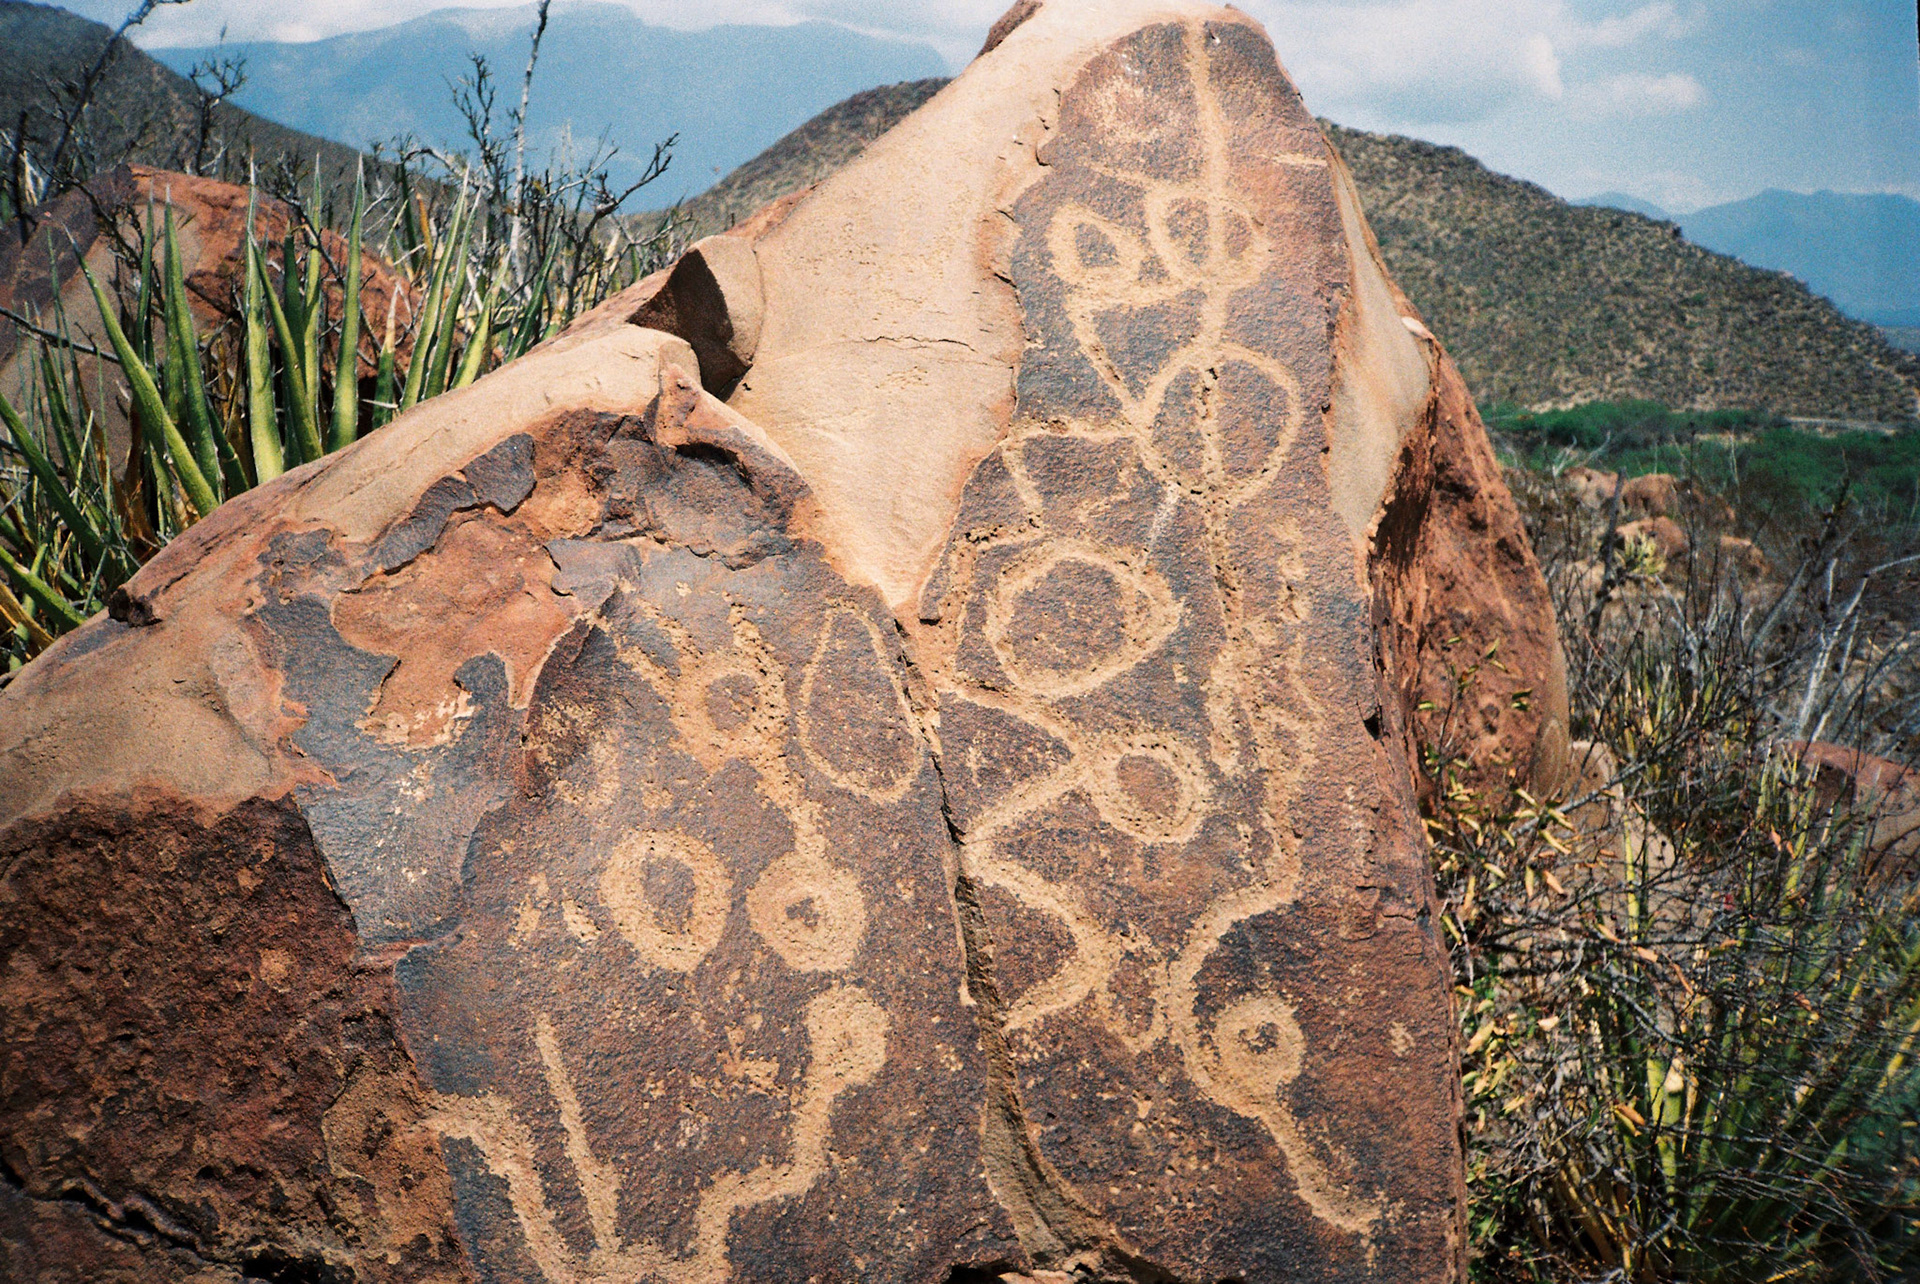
1541, 302
806, 155
1545, 302
142, 111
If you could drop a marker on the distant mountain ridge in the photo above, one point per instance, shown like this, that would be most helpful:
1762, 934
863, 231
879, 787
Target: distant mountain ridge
1862, 250
727, 91
142, 111
1546, 303
1630, 203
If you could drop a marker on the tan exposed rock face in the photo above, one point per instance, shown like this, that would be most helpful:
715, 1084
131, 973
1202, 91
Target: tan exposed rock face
944, 811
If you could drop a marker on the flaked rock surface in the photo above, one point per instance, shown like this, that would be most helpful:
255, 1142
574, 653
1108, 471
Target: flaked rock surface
885, 753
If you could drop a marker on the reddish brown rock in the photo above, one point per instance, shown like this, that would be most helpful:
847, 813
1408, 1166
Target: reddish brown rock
1663, 535
1883, 795
1656, 495
1591, 487
1476, 652
945, 811
1744, 557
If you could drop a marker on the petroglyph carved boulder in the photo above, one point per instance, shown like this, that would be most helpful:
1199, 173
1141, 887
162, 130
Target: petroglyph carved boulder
946, 810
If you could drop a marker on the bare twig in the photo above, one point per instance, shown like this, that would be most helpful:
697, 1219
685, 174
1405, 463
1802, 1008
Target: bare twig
520, 138
65, 341
91, 81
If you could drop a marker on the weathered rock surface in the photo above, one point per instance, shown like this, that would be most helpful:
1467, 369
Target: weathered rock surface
947, 810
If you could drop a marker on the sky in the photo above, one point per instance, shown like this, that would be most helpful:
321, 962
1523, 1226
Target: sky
1685, 103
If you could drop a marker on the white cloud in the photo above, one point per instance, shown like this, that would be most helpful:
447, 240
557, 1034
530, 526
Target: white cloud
1637, 94
1447, 59
1443, 59
1620, 30
956, 28
1680, 193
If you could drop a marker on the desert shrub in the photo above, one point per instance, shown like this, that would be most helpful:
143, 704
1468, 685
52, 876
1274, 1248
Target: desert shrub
1624, 426
1689, 996
215, 415
1765, 464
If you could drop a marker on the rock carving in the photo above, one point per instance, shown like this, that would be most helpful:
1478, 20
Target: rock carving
886, 752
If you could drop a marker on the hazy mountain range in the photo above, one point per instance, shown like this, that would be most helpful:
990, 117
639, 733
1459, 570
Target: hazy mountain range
727, 91
143, 111
1861, 251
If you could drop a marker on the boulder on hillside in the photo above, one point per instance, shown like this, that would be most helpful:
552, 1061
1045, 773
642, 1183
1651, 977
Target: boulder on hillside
946, 810
1654, 495
102, 223
1744, 558
1661, 535
1882, 794
1593, 488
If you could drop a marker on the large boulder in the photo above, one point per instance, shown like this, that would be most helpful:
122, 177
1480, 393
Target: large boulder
1881, 796
946, 810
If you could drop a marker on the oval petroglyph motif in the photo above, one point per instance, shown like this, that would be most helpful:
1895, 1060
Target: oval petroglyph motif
1150, 787
669, 896
1070, 616
855, 722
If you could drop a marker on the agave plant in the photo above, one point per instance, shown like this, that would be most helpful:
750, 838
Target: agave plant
1690, 995
213, 416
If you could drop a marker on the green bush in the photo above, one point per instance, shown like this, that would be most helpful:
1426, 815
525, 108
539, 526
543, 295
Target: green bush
1764, 463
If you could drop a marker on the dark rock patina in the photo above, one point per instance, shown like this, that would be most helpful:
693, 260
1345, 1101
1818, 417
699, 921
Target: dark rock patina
542, 843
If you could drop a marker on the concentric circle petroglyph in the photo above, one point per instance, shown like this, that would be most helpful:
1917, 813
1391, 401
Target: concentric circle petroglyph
675, 937
726, 704
810, 911
1258, 1046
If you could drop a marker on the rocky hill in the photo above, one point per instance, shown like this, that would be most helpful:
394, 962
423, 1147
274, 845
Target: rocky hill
141, 111
806, 155
1541, 302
